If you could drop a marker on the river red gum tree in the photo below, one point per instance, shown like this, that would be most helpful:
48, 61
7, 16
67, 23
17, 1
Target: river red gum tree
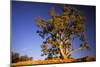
60, 32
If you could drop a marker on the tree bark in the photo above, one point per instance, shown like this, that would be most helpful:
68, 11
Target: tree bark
62, 54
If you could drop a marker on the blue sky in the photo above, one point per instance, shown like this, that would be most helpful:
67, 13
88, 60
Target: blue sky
26, 41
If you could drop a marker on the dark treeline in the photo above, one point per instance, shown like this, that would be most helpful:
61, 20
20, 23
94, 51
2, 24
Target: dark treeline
16, 57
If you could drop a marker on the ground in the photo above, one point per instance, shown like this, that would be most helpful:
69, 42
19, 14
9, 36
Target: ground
53, 61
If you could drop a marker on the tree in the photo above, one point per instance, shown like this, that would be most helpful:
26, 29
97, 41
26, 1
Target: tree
16, 57
60, 32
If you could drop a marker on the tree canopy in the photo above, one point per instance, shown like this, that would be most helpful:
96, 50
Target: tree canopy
60, 32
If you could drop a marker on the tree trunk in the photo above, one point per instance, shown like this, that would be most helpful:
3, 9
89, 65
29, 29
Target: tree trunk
62, 54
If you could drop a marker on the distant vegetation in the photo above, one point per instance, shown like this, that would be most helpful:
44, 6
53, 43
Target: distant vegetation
16, 57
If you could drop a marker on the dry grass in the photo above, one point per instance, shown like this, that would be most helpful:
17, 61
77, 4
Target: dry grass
52, 61
36, 62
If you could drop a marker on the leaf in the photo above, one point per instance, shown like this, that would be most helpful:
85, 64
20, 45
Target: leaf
82, 37
84, 45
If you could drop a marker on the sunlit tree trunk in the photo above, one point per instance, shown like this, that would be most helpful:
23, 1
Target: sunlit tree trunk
62, 54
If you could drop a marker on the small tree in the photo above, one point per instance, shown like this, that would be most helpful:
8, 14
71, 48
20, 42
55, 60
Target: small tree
60, 32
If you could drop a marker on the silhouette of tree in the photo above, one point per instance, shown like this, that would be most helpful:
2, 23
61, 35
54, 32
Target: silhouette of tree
60, 32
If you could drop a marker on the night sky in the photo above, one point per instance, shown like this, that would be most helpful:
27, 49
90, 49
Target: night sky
26, 41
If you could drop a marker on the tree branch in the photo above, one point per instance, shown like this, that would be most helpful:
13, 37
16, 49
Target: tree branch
74, 51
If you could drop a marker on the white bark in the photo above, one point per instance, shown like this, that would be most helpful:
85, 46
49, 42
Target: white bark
62, 51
